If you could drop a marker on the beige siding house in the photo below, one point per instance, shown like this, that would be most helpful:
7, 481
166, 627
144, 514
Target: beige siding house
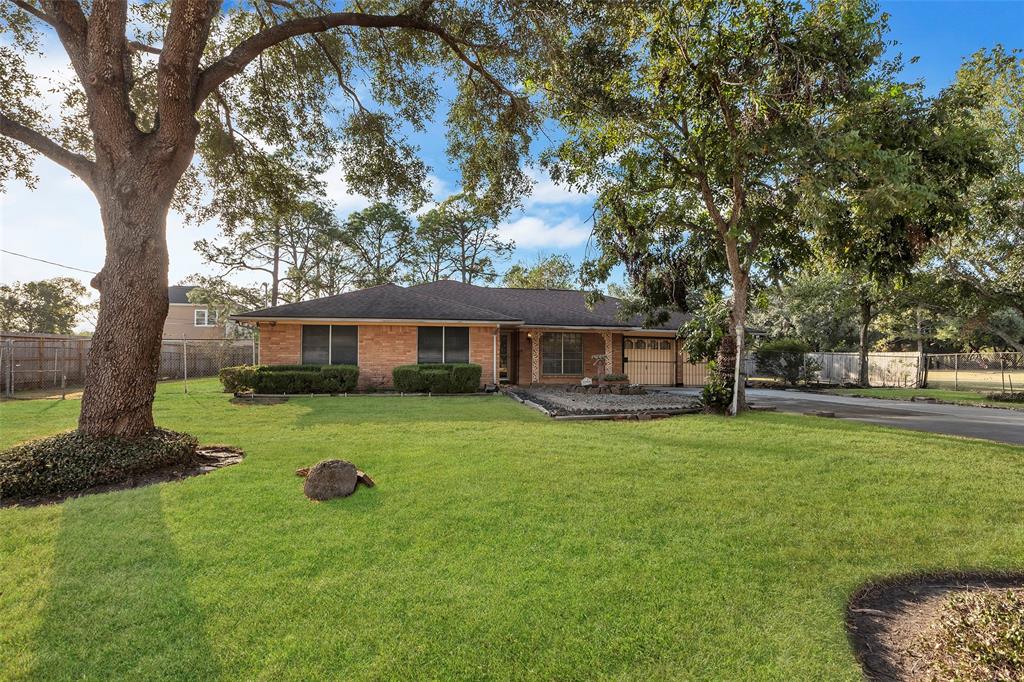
187, 320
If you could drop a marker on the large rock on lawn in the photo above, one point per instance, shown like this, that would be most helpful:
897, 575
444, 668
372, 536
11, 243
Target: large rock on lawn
331, 478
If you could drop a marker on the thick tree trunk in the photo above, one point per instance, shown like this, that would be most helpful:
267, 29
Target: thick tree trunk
125, 351
134, 189
865, 323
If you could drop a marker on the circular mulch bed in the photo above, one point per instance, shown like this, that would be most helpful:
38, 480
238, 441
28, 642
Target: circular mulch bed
892, 624
208, 458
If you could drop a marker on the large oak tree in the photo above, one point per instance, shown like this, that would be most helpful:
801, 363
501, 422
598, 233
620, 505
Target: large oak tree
165, 95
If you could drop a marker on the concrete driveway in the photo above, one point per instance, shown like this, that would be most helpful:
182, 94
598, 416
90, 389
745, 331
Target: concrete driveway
1005, 426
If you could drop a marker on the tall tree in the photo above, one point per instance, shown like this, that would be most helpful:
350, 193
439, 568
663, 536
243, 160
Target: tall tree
554, 271
156, 86
459, 237
48, 306
718, 102
878, 203
378, 242
982, 267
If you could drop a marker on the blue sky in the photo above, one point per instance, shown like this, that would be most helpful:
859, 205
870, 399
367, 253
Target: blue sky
59, 220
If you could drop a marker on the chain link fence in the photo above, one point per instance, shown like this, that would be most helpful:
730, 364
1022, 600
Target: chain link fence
998, 372
49, 362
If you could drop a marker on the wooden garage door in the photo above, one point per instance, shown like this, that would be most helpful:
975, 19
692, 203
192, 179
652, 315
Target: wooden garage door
650, 361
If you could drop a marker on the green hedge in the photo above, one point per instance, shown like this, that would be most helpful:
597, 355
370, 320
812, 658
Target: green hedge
71, 462
436, 378
327, 379
238, 378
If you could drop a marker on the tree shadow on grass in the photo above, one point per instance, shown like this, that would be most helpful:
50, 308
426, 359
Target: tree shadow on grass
119, 605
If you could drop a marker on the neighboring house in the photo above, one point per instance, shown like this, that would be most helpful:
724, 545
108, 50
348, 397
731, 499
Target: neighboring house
519, 336
187, 320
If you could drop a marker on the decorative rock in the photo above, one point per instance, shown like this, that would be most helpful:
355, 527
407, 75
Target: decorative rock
586, 381
331, 478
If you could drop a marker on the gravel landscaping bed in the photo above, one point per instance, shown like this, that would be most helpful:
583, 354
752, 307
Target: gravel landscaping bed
559, 401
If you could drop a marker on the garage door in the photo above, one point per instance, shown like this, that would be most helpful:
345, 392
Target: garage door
650, 361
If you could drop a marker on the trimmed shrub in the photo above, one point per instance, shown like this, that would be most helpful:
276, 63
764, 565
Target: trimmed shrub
784, 359
310, 379
238, 378
437, 378
294, 368
408, 379
346, 376
71, 462
615, 377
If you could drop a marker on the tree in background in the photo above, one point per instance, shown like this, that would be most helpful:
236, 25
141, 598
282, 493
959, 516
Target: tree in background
458, 237
555, 271
159, 90
378, 242
719, 104
981, 268
48, 306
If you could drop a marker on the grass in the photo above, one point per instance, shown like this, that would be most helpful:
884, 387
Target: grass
497, 544
946, 395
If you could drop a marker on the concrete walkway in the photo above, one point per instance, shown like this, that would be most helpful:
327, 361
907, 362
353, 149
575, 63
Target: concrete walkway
1004, 426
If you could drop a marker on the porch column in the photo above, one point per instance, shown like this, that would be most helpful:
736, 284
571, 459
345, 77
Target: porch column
609, 353
535, 356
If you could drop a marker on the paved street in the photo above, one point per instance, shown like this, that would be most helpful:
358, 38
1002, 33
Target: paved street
1006, 426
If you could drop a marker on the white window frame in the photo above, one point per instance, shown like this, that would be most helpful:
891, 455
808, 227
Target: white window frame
206, 318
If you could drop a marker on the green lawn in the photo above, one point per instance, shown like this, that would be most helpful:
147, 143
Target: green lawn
949, 396
497, 544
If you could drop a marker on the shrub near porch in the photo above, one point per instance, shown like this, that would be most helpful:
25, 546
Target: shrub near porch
497, 543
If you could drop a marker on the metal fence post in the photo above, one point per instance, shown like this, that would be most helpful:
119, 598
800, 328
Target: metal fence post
184, 361
254, 348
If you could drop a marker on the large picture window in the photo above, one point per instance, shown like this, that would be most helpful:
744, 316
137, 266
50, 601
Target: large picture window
327, 344
442, 344
561, 353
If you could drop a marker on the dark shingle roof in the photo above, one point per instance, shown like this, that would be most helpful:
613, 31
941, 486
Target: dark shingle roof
179, 293
448, 300
549, 307
384, 302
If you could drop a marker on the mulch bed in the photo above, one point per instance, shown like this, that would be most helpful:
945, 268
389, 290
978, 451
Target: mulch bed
889, 623
208, 458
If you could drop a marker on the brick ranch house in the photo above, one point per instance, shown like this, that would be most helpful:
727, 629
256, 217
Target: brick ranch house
518, 336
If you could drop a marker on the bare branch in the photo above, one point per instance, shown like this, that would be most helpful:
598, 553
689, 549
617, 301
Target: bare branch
136, 46
76, 163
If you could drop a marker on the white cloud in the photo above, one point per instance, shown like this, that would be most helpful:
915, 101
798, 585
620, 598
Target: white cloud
531, 231
547, 192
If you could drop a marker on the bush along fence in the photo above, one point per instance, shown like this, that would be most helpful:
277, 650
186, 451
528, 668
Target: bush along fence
54, 362
1001, 372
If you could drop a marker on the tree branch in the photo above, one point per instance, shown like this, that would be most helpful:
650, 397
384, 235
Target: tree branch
250, 48
76, 163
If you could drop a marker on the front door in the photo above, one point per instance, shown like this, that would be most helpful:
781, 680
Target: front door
650, 361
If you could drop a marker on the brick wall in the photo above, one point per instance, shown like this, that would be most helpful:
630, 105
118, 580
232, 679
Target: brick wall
482, 342
381, 349
280, 344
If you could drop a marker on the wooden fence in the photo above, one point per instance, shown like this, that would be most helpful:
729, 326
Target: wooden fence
41, 361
